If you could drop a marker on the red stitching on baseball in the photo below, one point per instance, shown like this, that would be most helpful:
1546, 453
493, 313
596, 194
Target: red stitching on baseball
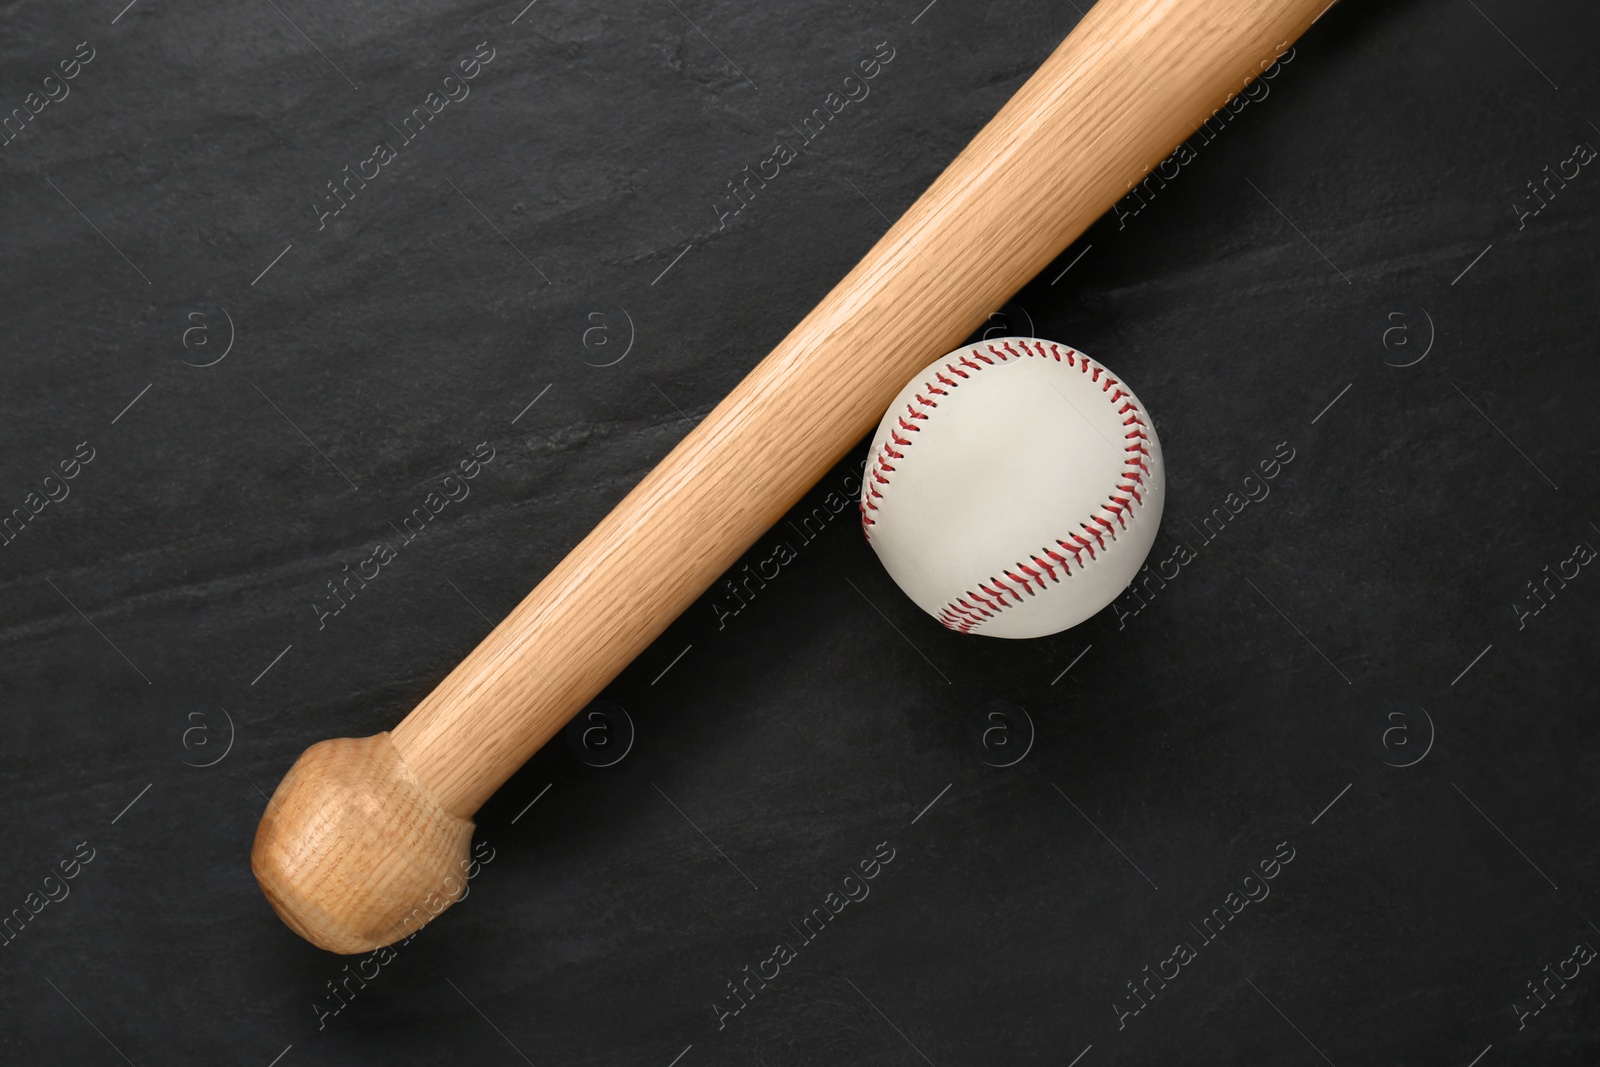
999, 596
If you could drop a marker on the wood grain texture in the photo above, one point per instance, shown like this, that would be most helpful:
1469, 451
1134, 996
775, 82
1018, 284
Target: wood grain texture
1131, 82
353, 852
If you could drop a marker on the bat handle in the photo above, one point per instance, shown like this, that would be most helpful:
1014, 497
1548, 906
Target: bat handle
366, 839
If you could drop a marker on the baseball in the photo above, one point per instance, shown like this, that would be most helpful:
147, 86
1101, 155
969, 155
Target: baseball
1013, 488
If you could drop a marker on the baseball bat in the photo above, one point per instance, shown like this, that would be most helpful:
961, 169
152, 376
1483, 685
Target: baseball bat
366, 839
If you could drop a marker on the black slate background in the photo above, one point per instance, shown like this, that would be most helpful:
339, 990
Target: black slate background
141, 613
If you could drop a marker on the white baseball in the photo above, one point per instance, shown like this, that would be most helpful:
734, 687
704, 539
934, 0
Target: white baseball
1013, 488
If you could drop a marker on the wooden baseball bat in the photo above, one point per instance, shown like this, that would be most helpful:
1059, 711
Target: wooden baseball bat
366, 839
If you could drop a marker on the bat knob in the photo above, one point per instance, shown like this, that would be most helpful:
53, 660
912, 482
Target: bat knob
354, 852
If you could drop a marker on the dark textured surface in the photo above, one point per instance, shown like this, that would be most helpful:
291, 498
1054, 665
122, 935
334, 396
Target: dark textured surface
1285, 666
